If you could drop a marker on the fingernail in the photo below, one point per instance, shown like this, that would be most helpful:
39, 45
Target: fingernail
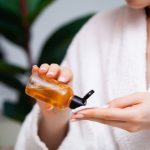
62, 79
43, 69
78, 116
34, 66
51, 74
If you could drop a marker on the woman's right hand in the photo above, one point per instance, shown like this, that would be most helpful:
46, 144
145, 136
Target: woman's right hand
54, 71
53, 122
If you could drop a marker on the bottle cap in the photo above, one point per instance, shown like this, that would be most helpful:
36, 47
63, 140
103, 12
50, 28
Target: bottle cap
78, 101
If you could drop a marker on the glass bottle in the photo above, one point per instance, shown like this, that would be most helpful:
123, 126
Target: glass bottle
54, 93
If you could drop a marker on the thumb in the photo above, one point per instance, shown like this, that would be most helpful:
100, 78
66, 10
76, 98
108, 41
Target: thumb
126, 101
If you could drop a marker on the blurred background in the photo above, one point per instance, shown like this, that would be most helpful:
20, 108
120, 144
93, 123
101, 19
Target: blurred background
34, 32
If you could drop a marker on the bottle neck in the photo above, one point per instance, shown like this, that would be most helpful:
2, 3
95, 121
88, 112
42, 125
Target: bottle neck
78, 101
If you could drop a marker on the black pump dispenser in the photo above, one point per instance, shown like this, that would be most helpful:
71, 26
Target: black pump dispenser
78, 101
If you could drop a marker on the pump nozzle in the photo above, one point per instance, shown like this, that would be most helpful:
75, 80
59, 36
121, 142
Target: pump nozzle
84, 99
78, 101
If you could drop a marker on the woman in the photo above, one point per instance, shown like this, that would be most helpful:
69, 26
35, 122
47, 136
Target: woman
110, 54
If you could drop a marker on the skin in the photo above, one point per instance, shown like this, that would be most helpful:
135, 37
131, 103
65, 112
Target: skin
138, 4
130, 112
53, 124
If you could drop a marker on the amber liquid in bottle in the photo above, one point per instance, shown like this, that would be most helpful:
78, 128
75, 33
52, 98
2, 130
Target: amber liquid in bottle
53, 92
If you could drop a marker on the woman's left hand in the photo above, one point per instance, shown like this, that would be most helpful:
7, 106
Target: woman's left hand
131, 112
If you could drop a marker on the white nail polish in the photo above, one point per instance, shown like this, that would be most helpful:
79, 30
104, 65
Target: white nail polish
62, 79
50, 73
43, 69
34, 66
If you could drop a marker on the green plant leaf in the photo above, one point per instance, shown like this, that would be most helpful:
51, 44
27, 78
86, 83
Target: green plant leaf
55, 47
20, 109
11, 5
11, 81
11, 26
35, 7
11, 69
13, 111
1, 53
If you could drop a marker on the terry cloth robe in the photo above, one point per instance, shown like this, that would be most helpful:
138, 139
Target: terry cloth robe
107, 55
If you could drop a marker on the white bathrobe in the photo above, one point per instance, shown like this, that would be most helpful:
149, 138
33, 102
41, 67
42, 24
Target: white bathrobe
109, 56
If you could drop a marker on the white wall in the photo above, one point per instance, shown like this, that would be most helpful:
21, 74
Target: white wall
53, 16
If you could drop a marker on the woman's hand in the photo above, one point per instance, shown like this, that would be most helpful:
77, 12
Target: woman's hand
131, 112
53, 123
49, 113
54, 71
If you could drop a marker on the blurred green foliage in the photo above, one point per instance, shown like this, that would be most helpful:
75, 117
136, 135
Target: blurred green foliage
16, 19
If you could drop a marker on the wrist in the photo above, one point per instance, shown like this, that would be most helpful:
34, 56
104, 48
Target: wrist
55, 118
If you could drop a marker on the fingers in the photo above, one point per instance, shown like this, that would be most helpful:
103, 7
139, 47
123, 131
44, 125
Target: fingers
127, 101
35, 69
43, 69
105, 114
54, 71
118, 124
130, 127
48, 72
115, 121
65, 75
